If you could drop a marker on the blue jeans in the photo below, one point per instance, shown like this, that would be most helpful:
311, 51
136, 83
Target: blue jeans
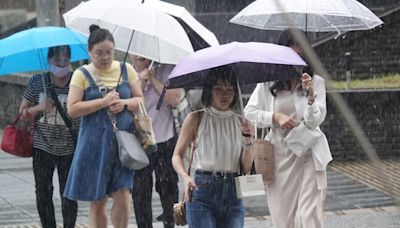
214, 204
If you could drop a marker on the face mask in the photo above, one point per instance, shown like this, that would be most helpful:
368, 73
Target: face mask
59, 71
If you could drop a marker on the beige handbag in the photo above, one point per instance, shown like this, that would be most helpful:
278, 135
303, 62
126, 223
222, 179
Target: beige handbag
264, 158
145, 129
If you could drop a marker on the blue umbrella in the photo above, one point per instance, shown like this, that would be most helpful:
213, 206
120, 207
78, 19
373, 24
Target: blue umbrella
27, 50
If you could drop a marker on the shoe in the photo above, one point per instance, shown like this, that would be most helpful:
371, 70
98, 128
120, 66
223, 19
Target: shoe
160, 217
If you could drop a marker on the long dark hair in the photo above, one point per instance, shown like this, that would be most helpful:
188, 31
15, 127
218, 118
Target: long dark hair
224, 74
98, 35
287, 39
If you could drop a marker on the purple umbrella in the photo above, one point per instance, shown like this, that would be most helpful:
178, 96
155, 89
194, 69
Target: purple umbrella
252, 62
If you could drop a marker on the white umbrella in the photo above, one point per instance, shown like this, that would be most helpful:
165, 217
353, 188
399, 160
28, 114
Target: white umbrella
146, 31
307, 15
199, 35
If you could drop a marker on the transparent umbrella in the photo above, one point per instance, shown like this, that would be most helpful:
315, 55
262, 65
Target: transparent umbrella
307, 15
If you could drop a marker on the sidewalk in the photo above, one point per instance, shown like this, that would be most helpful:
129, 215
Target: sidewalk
349, 203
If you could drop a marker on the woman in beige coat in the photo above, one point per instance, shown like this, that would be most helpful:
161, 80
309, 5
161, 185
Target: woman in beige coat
296, 197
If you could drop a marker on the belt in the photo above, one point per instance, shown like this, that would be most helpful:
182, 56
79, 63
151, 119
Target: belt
217, 173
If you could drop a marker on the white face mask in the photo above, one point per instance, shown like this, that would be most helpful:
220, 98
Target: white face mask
59, 71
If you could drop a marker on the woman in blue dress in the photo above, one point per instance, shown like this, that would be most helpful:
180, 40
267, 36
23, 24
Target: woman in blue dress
96, 172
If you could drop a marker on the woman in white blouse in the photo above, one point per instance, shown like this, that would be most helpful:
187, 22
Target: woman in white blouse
296, 197
217, 131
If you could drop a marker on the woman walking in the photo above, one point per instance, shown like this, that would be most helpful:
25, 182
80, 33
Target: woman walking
217, 133
96, 171
297, 195
53, 143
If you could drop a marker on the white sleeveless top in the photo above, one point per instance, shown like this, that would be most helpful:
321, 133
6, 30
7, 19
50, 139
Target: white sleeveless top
219, 141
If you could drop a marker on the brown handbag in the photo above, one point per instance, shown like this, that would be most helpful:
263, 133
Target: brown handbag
179, 208
264, 159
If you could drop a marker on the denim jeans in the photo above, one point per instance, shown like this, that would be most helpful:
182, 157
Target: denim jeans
214, 204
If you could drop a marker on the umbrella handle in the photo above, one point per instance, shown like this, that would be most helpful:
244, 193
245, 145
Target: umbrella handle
151, 64
240, 97
44, 87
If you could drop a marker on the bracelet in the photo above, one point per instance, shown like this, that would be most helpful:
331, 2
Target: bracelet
247, 146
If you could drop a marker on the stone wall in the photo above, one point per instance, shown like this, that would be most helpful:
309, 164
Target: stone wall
373, 53
379, 116
11, 89
29, 5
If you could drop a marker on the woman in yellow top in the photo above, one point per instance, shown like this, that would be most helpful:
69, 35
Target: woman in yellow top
96, 171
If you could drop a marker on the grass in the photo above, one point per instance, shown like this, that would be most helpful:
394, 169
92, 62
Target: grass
384, 82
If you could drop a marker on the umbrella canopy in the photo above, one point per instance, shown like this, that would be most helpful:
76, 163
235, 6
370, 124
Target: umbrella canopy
199, 36
27, 50
146, 31
307, 15
252, 62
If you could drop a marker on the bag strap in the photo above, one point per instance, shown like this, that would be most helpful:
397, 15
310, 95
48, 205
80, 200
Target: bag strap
16, 119
193, 145
142, 108
63, 114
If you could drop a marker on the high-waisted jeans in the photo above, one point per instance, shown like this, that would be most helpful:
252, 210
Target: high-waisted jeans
215, 204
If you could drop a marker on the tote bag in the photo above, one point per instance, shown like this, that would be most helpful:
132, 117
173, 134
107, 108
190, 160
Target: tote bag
144, 129
264, 157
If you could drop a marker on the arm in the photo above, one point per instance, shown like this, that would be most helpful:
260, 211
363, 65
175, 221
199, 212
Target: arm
172, 96
258, 106
315, 112
77, 107
246, 157
30, 111
186, 136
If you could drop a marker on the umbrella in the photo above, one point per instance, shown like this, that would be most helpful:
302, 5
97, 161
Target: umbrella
137, 28
253, 62
313, 16
27, 50
199, 36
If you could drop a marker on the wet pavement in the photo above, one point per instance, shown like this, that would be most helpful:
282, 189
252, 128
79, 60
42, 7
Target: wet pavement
349, 203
